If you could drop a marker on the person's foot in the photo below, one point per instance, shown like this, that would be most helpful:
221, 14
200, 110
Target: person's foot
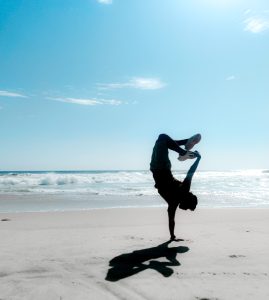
188, 155
192, 141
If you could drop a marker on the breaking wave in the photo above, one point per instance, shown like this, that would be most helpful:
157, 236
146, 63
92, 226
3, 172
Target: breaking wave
214, 188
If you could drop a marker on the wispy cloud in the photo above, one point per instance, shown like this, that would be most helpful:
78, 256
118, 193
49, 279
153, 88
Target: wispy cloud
256, 22
231, 77
142, 83
247, 11
88, 102
105, 1
11, 94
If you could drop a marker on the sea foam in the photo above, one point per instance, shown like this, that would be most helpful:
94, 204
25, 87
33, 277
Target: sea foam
240, 188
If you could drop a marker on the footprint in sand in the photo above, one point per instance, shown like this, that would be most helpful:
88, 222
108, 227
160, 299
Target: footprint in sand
130, 237
236, 256
206, 298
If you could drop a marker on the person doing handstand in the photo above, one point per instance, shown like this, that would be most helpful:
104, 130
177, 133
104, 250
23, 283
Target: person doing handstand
173, 191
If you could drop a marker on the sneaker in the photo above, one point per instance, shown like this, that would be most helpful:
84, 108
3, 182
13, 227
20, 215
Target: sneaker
192, 141
188, 155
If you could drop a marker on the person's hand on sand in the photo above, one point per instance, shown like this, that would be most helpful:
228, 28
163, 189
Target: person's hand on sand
175, 239
172, 238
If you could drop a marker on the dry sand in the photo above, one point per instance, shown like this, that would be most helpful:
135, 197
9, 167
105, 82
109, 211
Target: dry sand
122, 254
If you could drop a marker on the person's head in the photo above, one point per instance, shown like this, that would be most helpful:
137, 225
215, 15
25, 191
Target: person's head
188, 202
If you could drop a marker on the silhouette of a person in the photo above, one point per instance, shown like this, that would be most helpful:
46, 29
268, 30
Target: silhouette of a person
173, 191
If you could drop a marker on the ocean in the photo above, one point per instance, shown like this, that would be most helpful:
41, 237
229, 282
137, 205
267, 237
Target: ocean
82, 190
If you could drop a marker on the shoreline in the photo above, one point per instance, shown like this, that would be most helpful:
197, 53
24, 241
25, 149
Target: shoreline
84, 202
164, 207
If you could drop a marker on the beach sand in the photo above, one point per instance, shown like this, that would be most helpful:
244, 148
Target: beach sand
123, 254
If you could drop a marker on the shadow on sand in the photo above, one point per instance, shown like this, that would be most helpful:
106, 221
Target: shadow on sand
129, 264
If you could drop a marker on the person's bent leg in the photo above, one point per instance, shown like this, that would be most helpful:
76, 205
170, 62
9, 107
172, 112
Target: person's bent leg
181, 142
171, 144
190, 142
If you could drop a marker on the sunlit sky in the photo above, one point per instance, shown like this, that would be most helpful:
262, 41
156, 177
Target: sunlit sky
87, 84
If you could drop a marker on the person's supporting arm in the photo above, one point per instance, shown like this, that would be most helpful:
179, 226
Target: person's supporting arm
186, 185
188, 178
171, 217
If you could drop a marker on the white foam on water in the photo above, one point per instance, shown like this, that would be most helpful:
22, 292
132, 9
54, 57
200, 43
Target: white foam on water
235, 188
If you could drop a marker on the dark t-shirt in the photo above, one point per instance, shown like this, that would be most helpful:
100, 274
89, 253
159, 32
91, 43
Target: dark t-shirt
171, 189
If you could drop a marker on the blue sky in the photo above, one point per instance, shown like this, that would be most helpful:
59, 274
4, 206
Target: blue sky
87, 84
